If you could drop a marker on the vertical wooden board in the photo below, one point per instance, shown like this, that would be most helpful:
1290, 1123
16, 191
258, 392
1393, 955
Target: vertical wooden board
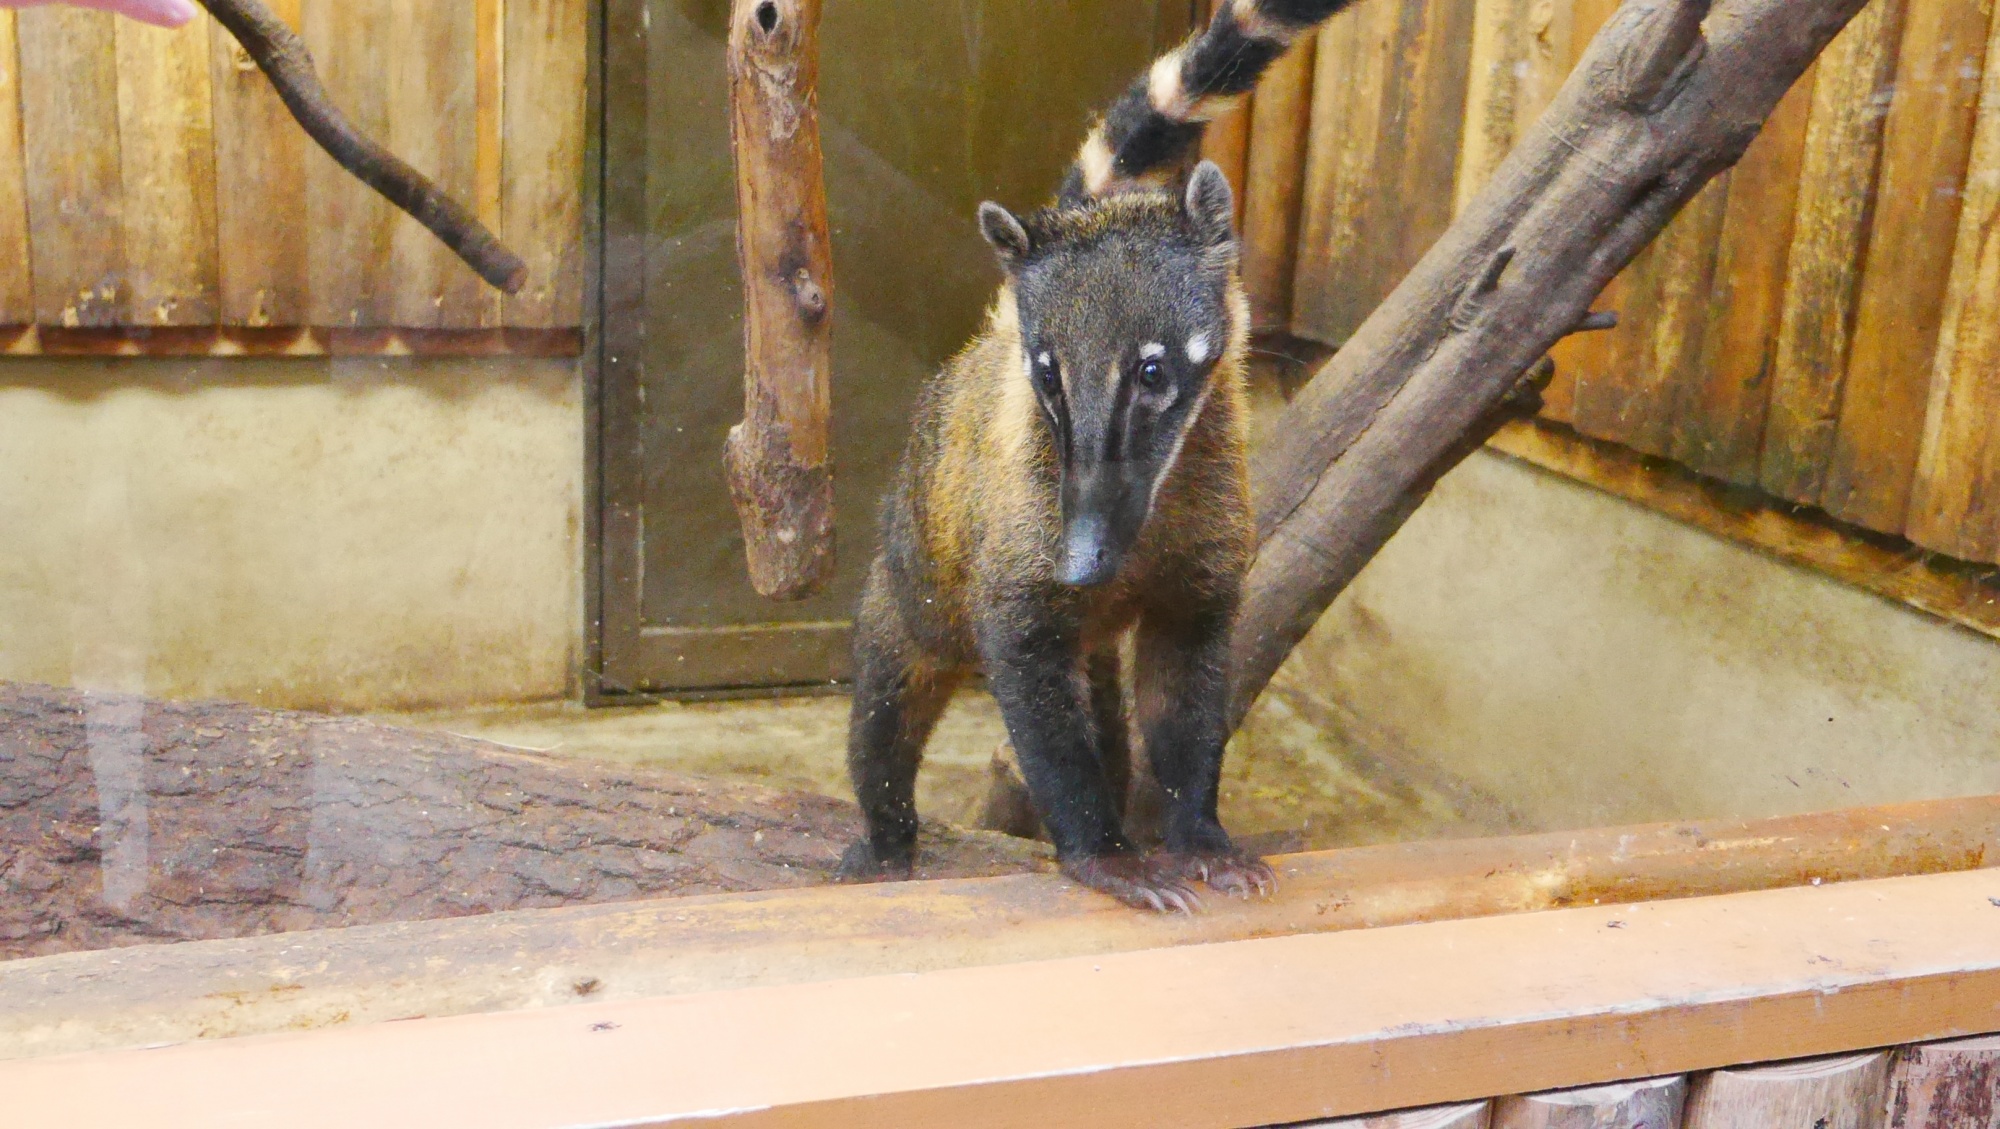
1336, 244
17, 291
1422, 136
69, 136
1719, 420
1566, 41
542, 183
1280, 123
1951, 1085
434, 125
1548, 53
1844, 1092
1630, 396
489, 32
1955, 508
1652, 1103
1925, 144
350, 273
1226, 141
1469, 1115
1837, 191
1493, 82
1388, 165
260, 188
166, 158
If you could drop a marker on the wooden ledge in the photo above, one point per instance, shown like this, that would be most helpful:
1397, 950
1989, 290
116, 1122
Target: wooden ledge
286, 341
608, 953
1232, 1034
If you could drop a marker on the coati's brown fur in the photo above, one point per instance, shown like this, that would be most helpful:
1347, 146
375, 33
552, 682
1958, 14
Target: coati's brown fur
1078, 474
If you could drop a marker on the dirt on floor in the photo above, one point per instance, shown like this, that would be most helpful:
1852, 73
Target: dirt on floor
130, 821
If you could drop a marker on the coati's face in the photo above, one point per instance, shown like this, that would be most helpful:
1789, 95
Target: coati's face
1124, 312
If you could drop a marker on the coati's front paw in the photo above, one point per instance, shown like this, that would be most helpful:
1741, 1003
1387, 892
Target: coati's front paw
1230, 871
863, 863
1136, 880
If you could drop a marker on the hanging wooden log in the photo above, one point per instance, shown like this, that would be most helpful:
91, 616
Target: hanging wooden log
1841, 1092
1470, 1115
780, 467
1651, 1103
1669, 94
1953, 1085
283, 58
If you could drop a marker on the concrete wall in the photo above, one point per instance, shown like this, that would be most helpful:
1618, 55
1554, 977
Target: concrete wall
1582, 661
349, 534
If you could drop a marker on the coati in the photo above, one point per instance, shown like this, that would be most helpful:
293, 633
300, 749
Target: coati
1077, 473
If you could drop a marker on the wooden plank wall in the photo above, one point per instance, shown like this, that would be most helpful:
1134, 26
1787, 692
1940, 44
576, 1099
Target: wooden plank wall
151, 178
1821, 324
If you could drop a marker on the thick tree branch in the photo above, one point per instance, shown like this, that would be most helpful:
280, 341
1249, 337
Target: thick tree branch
283, 58
1668, 95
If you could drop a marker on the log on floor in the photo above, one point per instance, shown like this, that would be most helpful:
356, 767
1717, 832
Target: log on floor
127, 821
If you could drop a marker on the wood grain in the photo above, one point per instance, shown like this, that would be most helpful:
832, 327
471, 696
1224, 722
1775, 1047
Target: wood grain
542, 191
1829, 239
1384, 155
166, 153
1952, 1085
1350, 70
1652, 1103
434, 125
353, 274
260, 188
1280, 131
1718, 426
1587, 352
1494, 75
17, 291
69, 135
1629, 394
1926, 142
1955, 507
1844, 1092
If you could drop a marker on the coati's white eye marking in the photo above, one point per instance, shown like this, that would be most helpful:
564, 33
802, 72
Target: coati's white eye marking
1042, 358
1152, 351
1197, 348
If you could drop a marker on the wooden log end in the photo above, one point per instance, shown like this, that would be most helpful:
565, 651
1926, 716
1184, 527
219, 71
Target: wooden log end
786, 508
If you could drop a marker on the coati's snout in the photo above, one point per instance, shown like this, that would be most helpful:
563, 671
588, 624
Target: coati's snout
1124, 311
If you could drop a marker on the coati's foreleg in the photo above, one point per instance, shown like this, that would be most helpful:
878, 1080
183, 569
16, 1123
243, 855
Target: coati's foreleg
1183, 700
1107, 709
898, 696
1037, 675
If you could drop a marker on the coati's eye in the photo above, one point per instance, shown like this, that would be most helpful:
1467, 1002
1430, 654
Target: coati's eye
1150, 374
1048, 375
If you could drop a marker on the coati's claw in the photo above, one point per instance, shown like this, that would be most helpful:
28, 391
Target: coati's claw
1231, 872
860, 863
1139, 882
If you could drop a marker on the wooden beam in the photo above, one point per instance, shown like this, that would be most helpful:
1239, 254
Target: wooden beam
528, 959
1244, 1033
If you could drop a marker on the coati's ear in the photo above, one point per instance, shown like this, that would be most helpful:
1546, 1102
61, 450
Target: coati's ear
1009, 238
1210, 206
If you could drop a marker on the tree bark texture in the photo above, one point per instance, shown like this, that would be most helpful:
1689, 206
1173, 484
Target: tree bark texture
778, 458
127, 821
1669, 94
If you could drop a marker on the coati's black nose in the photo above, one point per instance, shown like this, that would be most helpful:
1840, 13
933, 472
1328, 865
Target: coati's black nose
1087, 556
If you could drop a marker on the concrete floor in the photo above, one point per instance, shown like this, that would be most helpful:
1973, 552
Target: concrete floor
1292, 780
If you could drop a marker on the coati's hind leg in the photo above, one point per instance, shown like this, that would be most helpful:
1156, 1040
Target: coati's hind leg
898, 697
1045, 699
1183, 698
